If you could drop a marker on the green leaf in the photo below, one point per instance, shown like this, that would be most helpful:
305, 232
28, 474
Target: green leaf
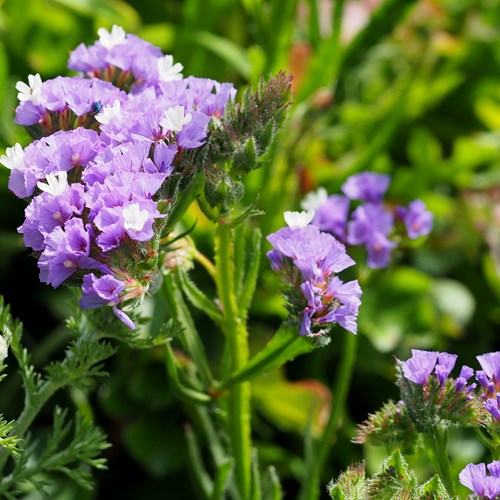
271, 487
350, 485
222, 478
198, 298
246, 292
181, 390
285, 345
202, 478
432, 489
256, 492
396, 480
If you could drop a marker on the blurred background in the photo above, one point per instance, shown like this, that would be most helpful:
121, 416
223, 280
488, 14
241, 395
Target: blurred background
405, 87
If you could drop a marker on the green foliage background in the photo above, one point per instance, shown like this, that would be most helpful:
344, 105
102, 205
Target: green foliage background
415, 93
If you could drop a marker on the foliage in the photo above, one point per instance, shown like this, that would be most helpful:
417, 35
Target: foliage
414, 94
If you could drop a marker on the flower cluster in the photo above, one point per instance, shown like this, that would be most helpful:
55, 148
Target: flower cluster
309, 261
372, 222
489, 379
485, 486
97, 173
432, 395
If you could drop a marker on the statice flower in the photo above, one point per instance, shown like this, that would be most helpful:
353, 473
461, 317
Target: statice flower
367, 186
484, 485
489, 380
127, 61
309, 260
417, 219
420, 366
66, 103
98, 176
371, 223
432, 395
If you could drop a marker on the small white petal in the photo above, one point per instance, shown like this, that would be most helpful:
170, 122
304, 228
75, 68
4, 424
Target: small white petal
13, 157
167, 70
314, 199
134, 217
109, 40
57, 183
299, 219
109, 113
31, 92
175, 119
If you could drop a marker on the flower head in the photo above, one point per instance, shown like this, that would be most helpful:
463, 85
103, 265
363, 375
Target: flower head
309, 261
367, 186
475, 477
420, 366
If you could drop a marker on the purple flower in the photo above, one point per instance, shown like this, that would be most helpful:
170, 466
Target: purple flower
309, 261
314, 253
474, 477
465, 374
134, 220
331, 216
420, 366
492, 406
370, 225
367, 186
490, 363
66, 251
446, 363
46, 212
63, 94
418, 220
101, 291
490, 377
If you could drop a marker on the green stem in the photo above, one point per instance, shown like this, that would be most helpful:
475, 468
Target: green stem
435, 441
318, 458
234, 328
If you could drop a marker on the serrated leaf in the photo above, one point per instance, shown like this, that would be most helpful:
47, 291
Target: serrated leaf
432, 490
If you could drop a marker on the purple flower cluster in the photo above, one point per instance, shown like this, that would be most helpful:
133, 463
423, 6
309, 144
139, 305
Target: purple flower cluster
309, 261
484, 485
94, 175
489, 379
372, 222
423, 364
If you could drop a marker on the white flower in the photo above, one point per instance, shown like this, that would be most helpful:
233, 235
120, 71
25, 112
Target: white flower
56, 184
31, 92
175, 119
14, 157
314, 199
109, 113
134, 218
299, 219
109, 40
167, 70
3, 349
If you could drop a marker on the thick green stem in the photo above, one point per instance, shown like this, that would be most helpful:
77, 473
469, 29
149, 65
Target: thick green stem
234, 328
435, 442
311, 486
